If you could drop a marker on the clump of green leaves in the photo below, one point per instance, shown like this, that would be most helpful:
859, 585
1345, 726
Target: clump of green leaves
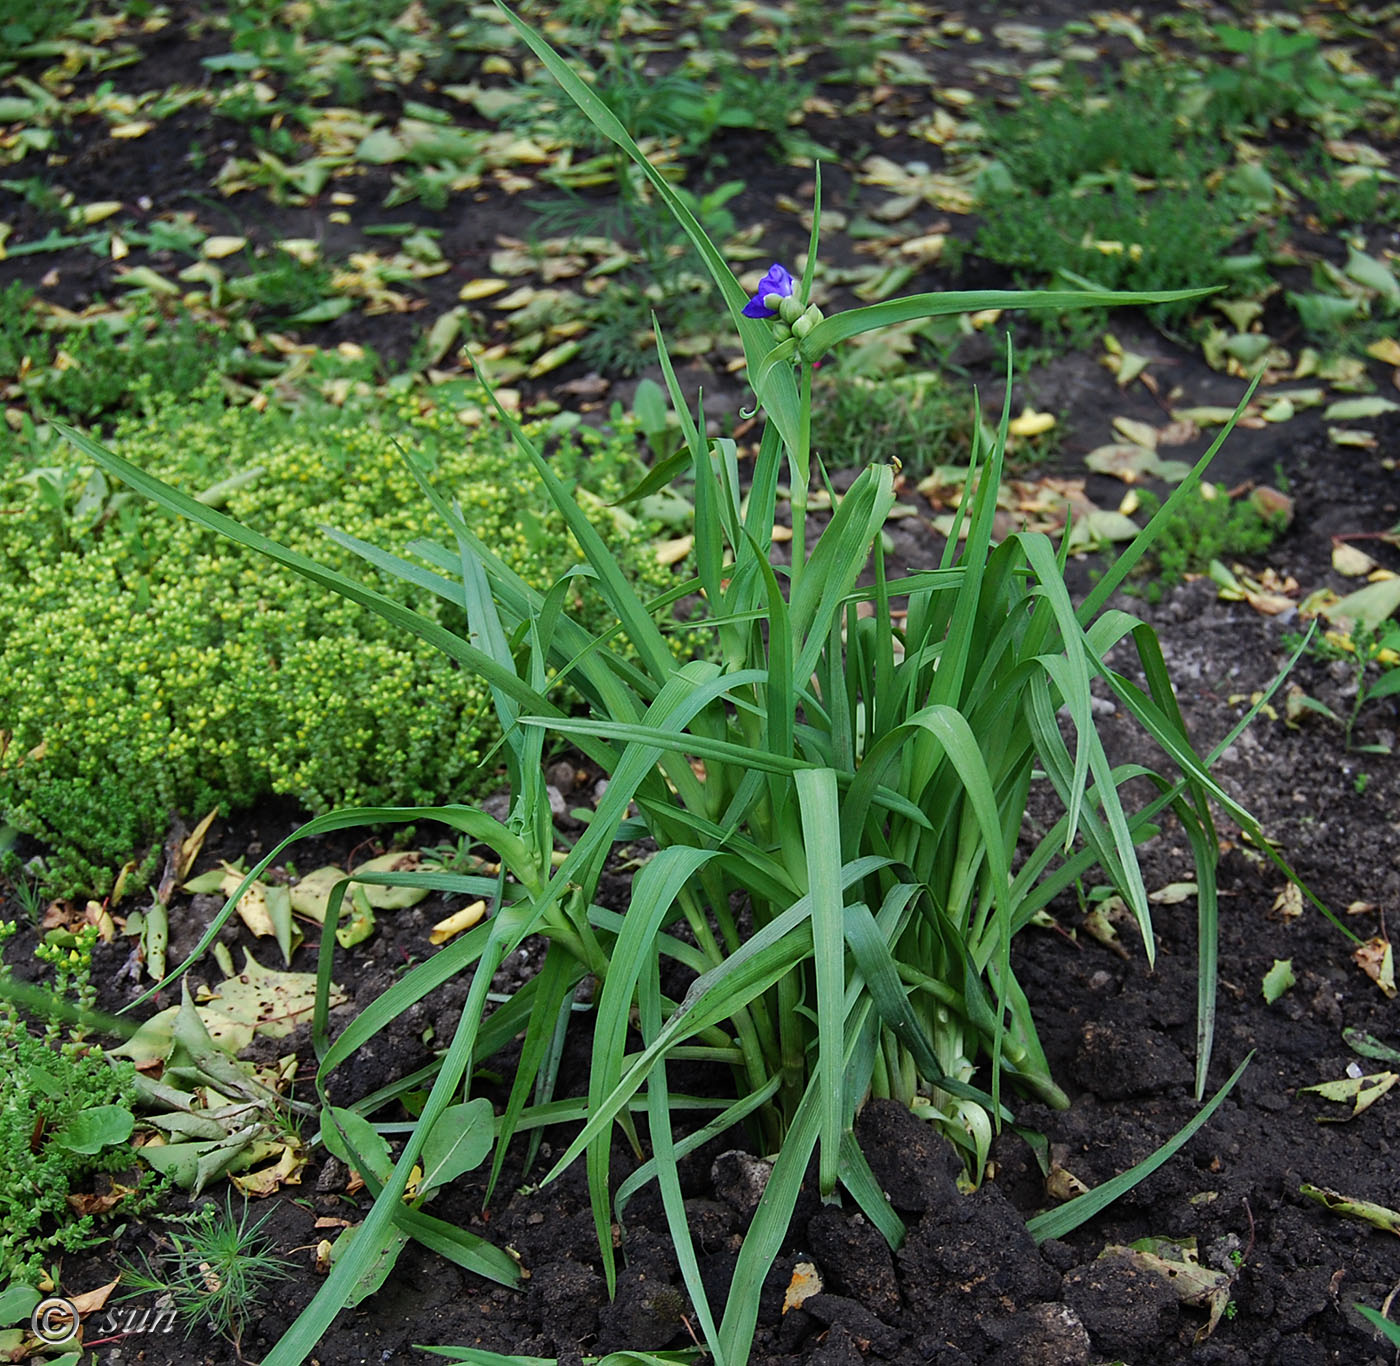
109, 363
853, 777
1068, 192
914, 419
23, 25
1210, 527
1341, 194
65, 1122
153, 668
1273, 74
218, 1272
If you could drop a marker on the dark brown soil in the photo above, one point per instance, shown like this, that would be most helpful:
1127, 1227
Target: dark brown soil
968, 1285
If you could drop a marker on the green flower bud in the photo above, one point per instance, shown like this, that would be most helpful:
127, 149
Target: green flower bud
802, 326
790, 309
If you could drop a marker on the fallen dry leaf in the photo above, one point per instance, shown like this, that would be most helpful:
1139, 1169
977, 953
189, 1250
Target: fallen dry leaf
90, 1301
1351, 562
1377, 961
806, 1281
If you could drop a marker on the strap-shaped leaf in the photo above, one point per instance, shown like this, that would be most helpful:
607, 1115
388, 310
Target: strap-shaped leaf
654, 891
821, 839
1056, 1223
854, 321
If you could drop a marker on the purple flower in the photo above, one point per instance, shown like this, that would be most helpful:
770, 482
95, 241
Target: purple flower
778, 282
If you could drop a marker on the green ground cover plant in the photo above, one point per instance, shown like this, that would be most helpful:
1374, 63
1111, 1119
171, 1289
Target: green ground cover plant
1066, 190
65, 1122
855, 786
1206, 527
108, 363
860, 415
153, 668
1187, 198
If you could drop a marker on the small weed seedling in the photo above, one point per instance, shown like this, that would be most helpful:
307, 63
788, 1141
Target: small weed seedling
217, 1273
1373, 656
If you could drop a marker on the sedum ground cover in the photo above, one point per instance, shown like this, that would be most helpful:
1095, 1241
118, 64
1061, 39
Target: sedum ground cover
153, 669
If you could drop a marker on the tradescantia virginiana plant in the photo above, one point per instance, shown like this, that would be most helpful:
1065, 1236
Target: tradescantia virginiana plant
850, 766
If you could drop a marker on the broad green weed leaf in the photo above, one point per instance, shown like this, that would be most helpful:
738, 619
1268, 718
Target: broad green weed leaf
98, 1127
458, 1143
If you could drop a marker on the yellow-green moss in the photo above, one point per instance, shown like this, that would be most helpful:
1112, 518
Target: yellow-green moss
150, 666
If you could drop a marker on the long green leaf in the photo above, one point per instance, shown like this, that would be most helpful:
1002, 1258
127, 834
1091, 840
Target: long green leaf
1056, 1223
854, 321
821, 839
654, 891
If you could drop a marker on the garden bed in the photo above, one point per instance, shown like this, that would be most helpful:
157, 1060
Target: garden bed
1281, 1271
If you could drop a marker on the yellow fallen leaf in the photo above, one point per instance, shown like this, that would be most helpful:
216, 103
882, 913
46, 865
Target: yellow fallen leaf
1063, 1185
95, 213
1030, 423
1139, 433
1386, 350
1348, 560
1173, 894
305, 250
190, 847
455, 923
1289, 902
286, 1171
312, 891
481, 289
216, 248
252, 905
126, 131
553, 358
673, 552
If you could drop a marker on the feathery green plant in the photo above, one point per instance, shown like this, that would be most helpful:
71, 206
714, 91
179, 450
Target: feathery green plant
218, 1273
860, 786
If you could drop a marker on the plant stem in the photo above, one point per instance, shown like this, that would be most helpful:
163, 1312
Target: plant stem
801, 478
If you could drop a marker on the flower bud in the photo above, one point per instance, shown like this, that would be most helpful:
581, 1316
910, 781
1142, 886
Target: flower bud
782, 331
802, 326
790, 309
